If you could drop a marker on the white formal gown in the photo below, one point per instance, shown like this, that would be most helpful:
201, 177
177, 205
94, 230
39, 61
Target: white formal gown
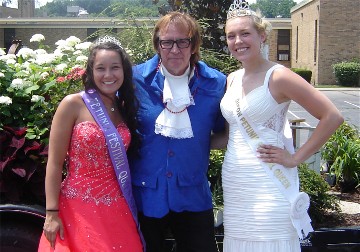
256, 214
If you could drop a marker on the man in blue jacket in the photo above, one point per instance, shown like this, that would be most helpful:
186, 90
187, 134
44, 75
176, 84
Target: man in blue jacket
179, 110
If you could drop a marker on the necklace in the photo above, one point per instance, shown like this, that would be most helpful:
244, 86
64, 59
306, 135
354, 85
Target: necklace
178, 112
193, 94
112, 109
175, 112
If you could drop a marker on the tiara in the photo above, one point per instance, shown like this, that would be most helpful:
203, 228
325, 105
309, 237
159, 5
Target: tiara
239, 8
108, 39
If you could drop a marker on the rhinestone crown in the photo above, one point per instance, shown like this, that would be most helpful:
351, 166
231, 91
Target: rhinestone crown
108, 38
239, 8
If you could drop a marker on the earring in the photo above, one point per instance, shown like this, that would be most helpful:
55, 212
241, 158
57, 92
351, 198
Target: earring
262, 48
264, 51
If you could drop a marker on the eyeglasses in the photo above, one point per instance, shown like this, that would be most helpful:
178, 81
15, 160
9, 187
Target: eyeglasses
181, 43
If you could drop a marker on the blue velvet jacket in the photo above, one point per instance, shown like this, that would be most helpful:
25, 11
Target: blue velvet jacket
171, 174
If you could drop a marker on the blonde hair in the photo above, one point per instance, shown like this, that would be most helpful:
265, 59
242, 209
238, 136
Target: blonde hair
261, 25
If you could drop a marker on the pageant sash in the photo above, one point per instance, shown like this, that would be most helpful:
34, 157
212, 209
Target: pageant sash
116, 150
286, 179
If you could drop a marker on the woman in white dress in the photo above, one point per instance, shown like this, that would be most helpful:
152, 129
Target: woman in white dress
263, 209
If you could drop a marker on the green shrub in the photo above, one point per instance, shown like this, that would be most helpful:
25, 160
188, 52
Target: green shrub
315, 186
342, 154
306, 74
220, 61
347, 73
346, 166
214, 174
356, 60
344, 133
137, 40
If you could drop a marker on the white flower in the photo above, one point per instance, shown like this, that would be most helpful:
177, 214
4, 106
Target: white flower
5, 100
60, 42
26, 53
72, 41
44, 75
2, 75
45, 59
25, 65
83, 46
58, 53
65, 48
61, 67
17, 84
78, 52
11, 62
81, 58
40, 51
36, 98
37, 38
7, 57
2, 52
130, 52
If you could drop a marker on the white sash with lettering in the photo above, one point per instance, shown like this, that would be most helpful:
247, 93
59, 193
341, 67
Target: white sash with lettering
286, 179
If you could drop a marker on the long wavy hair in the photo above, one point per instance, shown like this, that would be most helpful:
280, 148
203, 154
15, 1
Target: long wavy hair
127, 101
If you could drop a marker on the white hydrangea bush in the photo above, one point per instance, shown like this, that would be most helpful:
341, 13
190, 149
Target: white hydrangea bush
33, 81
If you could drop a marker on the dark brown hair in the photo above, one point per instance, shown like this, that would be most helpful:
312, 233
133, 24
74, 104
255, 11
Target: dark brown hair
127, 101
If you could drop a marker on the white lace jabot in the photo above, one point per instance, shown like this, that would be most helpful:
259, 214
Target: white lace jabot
174, 120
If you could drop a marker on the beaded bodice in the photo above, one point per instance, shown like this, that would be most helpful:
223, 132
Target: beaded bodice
268, 116
90, 174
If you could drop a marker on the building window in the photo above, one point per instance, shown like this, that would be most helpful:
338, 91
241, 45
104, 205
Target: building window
283, 45
316, 40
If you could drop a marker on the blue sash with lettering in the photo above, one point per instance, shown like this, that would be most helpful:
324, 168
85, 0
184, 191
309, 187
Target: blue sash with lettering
116, 150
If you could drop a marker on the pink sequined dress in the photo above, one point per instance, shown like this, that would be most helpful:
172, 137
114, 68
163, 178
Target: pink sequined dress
92, 207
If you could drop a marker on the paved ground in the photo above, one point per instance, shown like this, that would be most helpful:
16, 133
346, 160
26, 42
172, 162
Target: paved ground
349, 207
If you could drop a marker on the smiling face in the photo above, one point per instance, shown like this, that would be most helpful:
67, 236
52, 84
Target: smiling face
176, 60
108, 71
243, 39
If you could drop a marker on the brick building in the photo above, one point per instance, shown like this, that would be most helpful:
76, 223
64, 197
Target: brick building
324, 32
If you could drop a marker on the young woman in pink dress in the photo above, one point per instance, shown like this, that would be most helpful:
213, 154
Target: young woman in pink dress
88, 210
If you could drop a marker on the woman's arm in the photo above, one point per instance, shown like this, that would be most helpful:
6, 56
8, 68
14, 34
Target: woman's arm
286, 85
60, 135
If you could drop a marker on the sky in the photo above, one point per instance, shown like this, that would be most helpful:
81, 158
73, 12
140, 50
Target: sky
38, 3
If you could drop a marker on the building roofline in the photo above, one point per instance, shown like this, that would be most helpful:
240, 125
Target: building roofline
71, 22
300, 5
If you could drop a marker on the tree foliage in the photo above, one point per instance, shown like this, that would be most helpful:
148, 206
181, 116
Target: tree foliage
274, 8
212, 17
107, 8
